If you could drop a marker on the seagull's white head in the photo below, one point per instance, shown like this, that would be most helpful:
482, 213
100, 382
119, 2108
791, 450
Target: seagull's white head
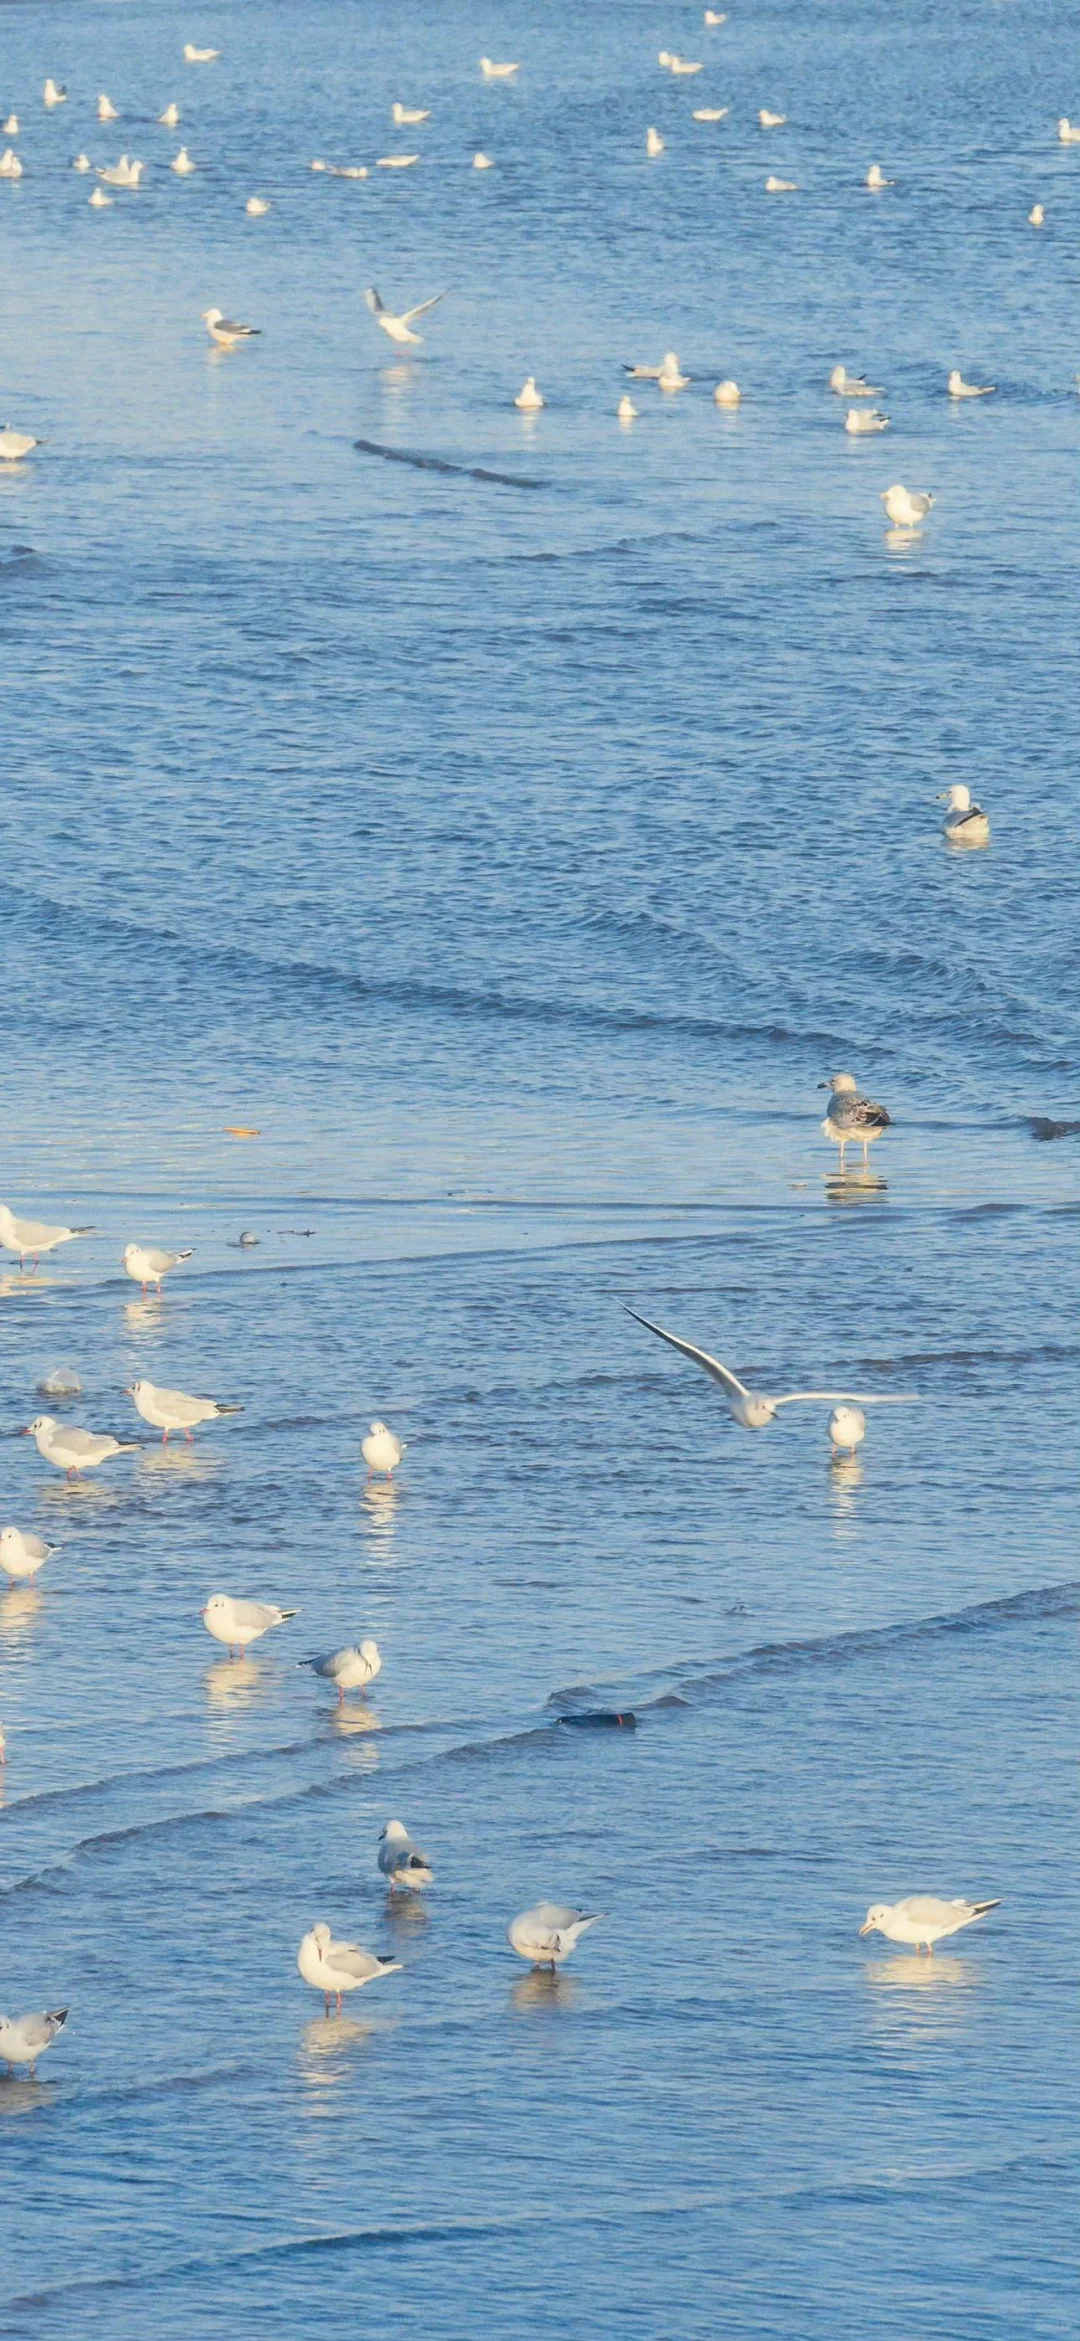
395, 1831
130, 1251
137, 1389
956, 380
874, 1916
211, 317
377, 1428
321, 1935
370, 1651
41, 1423
838, 377
957, 798
216, 1606
841, 1085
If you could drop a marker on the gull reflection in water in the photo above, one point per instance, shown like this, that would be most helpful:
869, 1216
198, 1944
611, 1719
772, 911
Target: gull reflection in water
379, 1501
18, 1609
354, 1722
145, 1315
855, 1187
845, 1475
233, 1682
406, 1914
917, 1999
19, 2094
328, 2049
91, 1492
12, 1283
190, 1462
542, 1990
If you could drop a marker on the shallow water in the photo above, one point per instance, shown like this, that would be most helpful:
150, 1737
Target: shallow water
516, 860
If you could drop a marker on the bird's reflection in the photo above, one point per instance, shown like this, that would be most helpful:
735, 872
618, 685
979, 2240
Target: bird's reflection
901, 540
351, 1721
187, 1462
845, 1475
396, 377
19, 2094
90, 1492
234, 1682
911, 1971
855, 1187
542, 1990
11, 1282
145, 1315
329, 2046
406, 1914
18, 1609
379, 1502
916, 2000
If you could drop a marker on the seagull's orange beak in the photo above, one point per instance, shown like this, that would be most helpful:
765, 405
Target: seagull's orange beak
867, 1929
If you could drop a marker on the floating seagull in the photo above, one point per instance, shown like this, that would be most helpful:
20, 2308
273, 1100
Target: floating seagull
664, 57
106, 111
1068, 132
401, 1861
194, 56
31, 1237
853, 385
81, 162
965, 822
381, 1450
851, 1116
173, 1410
182, 164
771, 121
10, 128
13, 446
923, 1918
21, 1554
670, 377
396, 162
171, 115
727, 394
481, 161
626, 410
1036, 216
905, 507
71, 1450
860, 419
775, 186
654, 144
343, 170
958, 388
495, 72
753, 1409
256, 207
398, 327
876, 179
682, 65
23, 2039
10, 166
351, 1669
238, 1622
548, 1932
144, 1263
125, 173
715, 16
846, 1429
334, 1968
711, 113
528, 397
404, 116
99, 201
54, 94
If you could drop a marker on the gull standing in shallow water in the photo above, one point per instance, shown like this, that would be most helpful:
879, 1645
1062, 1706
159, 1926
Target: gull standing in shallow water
23, 2039
401, 1860
238, 1622
906, 507
923, 1918
752, 1408
71, 1450
351, 1669
333, 1968
146, 1265
33, 1237
546, 1934
852, 1116
21, 1554
965, 822
529, 400
173, 1410
398, 327
382, 1450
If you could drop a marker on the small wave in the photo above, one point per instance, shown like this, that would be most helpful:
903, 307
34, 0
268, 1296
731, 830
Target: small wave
464, 471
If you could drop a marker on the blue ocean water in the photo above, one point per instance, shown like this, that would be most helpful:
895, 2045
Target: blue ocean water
517, 859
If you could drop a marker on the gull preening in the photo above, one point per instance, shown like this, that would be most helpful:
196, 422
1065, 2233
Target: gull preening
351, 1669
1069, 132
528, 398
906, 507
546, 1934
727, 394
10, 166
32, 1238
173, 1410
53, 93
670, 375
171, 115
958, 388
194, 56
72, 1450
407, 116
22, 1554
754, 1410
13, 446
23, 2039
382, 1450
334, 1968
182, 164
493, 71
399, 327
853, 385
775, 186
923, 1919
144, 1263
654, 144
225, 332
106, 111
965, 822
861, 419
876, 179
401, 1860
238, 1622
1036, 216
771, 121
852, 1116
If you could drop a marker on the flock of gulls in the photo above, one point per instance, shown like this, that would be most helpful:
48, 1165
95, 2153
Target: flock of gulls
546, 1934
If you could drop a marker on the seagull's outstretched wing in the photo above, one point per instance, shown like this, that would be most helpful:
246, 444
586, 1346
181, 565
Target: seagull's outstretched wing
422, 309
374, 301
711, 1365
851, 1397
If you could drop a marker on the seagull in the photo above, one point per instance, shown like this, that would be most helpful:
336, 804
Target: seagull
528, 398
343, 170
53, 93
81, 162
654, 144
626, 410
10, 166
33, 1237
23, 2039
846, 1429
171, 115
106, 111
403, 116
351, 1669
923, 1918
10, 128
182, 164
481, 161
173, 1410
238, 1622
194, 56
958, 388
122, 174
906, 508
683, 65
853, 385
21, 1554
727, 394
72, 1450
225, 332
775, 186
670, 377
381, 1450
876, 179
99, 201
396, 162
752, 1409
398, 327
965, 822
1036, 216
715, 16
495, 72
334, 1968
401, 1861
771, 121
851, 1116
1068, 132
256, 207
711, 113
860, 419
13, 446
144, 1263
548, 1932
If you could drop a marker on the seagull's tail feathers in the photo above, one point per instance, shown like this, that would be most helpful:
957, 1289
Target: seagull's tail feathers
57, 2016
979, 1909
230, 1410
76, 1231
293, 1613
188, 1255
389, 1966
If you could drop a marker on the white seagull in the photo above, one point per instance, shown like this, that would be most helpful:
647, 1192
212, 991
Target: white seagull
99, 201
21, 1554
106, 111
381, 1450
32, 1238
13, 446
965, 822
859, 420
775, 186
1036, 216
171, 115
238, 1622
53, 93
225, 331
256, 207
1069, 132
771, 121
10, 128
173, 1410
401, 1860
906, 507
752, 1409
125, 173
710, 113
853, 385
715, 16
343, 170
351, 1669
923, 1918
145, 1264
194, 56
727, 394
528, 399
182, 164
958, 388
406, 116
71, 1450
398, 328
626, 410
679, 65
334, 1968
654, 144
852, 1116
23, 2039
846, 1429
671, 376
493, 71
876, 179
81, 162
482, 161
396, 162
10, 166
546, 1934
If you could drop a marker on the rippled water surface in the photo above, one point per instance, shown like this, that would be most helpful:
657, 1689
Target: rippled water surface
515, 854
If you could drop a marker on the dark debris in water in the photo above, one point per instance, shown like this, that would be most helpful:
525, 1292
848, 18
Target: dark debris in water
1042, 1126
600, 1719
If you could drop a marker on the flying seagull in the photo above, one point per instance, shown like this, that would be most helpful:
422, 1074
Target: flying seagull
752, 1408
398, 327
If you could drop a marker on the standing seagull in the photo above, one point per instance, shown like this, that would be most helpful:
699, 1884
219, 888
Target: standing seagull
73, 1450
923, 1918
906, 507
546, 1934
33, 1237
334, 1968
852, 1116
173, 1410
398, 327
23, 2039
401, 1861
225, 331
382, 1450
752, 1408
145, 1264
237, 1622
351, 1669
